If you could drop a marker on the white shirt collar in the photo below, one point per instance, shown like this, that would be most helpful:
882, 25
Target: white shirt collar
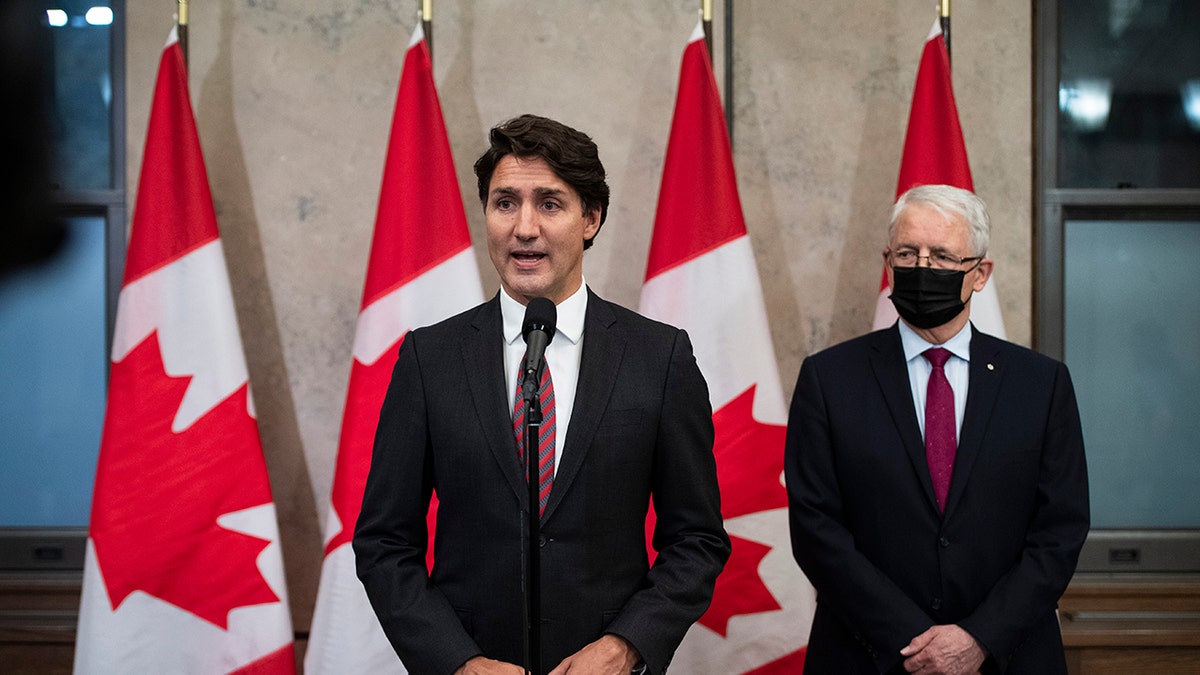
915, 345
569, 323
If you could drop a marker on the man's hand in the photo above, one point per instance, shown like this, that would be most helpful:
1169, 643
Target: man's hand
484, 666
943, 650
610, 655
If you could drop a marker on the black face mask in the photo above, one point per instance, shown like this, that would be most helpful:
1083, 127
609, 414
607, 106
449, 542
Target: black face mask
926, 297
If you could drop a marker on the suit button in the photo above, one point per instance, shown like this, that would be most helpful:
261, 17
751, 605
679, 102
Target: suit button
936, 604
944, 542
542, 541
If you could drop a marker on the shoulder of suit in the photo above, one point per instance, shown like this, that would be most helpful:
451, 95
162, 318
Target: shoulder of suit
627, 319
1010, 351
991, 344
882, 339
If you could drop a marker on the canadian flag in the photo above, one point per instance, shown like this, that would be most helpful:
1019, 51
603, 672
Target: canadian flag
701, 276
183, 572
422, 270
934, 153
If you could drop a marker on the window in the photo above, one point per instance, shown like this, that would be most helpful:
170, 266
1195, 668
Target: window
1129, 94
57, 302
1117, 237
52, 335
1131, 332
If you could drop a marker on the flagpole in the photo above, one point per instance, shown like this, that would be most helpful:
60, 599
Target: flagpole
729, 69
427, 25
945, 14
181, 21
706, 18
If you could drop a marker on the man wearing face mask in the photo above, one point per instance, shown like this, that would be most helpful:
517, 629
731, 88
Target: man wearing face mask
936, 478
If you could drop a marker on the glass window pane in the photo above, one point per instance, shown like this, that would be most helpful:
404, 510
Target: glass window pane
1129, 94
80, 93
52, 382
1132, 341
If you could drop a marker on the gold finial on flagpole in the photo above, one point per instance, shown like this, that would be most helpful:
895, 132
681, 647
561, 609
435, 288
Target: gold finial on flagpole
706, 16
945, 19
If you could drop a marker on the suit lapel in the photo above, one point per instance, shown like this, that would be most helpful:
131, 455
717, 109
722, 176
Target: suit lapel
483, 357
598, 366
891, 373
986, 374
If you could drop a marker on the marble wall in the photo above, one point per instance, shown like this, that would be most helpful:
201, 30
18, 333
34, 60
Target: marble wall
293, 99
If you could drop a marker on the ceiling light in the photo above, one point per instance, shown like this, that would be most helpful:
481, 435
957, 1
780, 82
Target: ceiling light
99, 16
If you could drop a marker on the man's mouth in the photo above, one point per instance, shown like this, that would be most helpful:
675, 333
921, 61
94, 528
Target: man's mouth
528, 256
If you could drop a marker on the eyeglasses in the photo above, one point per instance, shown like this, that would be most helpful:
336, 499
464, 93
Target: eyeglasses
906, 257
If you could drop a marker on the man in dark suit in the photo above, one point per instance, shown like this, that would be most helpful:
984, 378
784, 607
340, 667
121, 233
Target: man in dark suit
937, 502
632, 424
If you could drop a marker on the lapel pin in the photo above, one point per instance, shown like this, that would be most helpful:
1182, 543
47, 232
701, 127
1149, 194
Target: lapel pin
991, 367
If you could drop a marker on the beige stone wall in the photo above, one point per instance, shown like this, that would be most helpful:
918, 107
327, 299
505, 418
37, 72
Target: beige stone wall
294, 99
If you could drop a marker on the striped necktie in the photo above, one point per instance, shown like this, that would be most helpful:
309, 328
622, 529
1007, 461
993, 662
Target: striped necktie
545, 438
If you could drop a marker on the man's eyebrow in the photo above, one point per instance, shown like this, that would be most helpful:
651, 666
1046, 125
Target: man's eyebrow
538, 192
549, 192
914, 247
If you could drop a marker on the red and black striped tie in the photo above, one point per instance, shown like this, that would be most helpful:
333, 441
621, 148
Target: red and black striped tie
545, 438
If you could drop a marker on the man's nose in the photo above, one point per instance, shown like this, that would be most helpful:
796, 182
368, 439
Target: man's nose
526, 226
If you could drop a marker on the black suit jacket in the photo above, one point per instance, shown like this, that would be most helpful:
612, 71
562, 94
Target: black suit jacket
865, 525
641, 428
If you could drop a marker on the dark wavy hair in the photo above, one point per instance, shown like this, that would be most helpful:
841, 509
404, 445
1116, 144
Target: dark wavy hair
571, 154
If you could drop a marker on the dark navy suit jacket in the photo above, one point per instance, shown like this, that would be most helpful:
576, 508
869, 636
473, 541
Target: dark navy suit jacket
866, 528
641, 428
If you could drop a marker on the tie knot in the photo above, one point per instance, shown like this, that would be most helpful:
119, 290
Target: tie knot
937, 356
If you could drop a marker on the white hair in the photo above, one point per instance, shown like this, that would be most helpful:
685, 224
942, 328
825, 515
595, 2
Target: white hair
949, 201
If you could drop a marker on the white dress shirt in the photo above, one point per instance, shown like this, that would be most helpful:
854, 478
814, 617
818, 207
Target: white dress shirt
562, 355
958, 371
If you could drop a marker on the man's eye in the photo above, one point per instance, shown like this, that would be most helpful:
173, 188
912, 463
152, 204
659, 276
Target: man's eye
945, 258
551, 206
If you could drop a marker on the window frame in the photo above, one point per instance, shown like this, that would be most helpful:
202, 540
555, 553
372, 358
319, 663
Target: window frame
1135, 550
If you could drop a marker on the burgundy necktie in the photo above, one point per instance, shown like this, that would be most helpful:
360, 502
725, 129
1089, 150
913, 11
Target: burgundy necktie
545, 438
940, 441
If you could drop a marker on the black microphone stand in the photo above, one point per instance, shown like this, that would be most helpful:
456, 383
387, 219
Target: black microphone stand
533, 582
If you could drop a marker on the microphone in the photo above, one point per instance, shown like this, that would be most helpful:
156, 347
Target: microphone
538, 331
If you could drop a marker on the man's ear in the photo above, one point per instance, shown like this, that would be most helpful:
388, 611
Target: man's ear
592, 225
984, 272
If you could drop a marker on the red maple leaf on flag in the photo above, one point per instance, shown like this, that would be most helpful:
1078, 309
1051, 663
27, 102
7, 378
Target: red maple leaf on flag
749, 465
739, 589
368, 386
749, 459
159, 494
